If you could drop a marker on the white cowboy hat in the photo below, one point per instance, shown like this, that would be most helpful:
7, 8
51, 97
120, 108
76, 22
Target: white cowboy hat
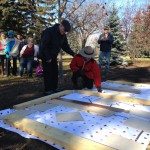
87, 52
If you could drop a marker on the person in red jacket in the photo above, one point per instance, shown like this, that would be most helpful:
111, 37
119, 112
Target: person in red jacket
83, 65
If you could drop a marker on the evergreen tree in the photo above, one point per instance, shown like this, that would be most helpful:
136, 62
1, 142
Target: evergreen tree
119, 42
43, 17
15, 15
26, 16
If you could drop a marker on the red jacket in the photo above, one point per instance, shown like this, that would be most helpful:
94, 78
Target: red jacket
91, 68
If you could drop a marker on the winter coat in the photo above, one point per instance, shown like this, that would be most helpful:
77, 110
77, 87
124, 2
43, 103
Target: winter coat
52, 42
2, 47
9, 45
32, 53
11, 48
90, 68
105, 43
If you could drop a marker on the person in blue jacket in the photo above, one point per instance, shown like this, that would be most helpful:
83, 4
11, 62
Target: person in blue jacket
11, 46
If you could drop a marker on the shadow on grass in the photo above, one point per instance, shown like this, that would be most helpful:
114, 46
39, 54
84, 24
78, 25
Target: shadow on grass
15, 90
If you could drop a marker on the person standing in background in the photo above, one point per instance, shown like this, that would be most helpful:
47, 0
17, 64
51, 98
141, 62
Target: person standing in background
2, 51
10, 42
22, 41
11, 52
105, 40
28, 54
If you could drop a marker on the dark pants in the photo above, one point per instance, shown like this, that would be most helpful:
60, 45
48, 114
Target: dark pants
50, 74
86, 82
26, 63
14, 66
8, 65
2, 59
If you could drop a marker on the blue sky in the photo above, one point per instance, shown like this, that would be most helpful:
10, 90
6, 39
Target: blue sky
124, 3
139, 3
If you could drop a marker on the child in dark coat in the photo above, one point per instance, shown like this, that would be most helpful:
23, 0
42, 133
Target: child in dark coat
83, 65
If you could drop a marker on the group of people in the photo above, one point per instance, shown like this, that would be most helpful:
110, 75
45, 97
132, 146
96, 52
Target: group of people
53, 39
17, 49
83, 65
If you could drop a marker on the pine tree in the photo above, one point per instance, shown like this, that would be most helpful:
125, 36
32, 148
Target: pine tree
26, 16
43, 17
119, 42
15, 15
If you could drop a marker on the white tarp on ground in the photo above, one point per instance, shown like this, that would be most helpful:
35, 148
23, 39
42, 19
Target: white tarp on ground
144, 94
94, 127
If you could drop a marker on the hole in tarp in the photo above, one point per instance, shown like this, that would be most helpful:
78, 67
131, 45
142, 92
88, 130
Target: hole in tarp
142, 143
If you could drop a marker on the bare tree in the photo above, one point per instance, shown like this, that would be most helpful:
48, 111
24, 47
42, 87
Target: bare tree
64, 4
62, 9
139, 42
127, 18
87, 19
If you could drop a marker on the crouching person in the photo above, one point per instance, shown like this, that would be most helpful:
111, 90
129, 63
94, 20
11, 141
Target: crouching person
28, 54
83, 65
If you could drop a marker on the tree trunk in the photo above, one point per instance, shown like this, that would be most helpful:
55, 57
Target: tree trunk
60, 55
83, 43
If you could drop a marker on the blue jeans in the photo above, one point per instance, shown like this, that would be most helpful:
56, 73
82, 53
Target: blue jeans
26, 63
104, 56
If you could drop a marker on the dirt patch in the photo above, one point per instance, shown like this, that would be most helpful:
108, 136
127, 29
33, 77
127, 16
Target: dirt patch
18, 90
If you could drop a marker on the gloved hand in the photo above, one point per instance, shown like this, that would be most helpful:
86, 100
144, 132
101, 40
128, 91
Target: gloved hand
99, 89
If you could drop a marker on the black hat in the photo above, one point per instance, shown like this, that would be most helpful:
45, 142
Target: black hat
66, 25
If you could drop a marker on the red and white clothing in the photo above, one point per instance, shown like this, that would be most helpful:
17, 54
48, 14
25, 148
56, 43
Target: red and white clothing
90, 68
29, 51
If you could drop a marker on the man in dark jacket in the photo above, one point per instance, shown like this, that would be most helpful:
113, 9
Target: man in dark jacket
53, 39
105, 40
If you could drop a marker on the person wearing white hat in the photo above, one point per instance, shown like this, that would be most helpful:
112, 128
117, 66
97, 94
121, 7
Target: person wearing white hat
83, 65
